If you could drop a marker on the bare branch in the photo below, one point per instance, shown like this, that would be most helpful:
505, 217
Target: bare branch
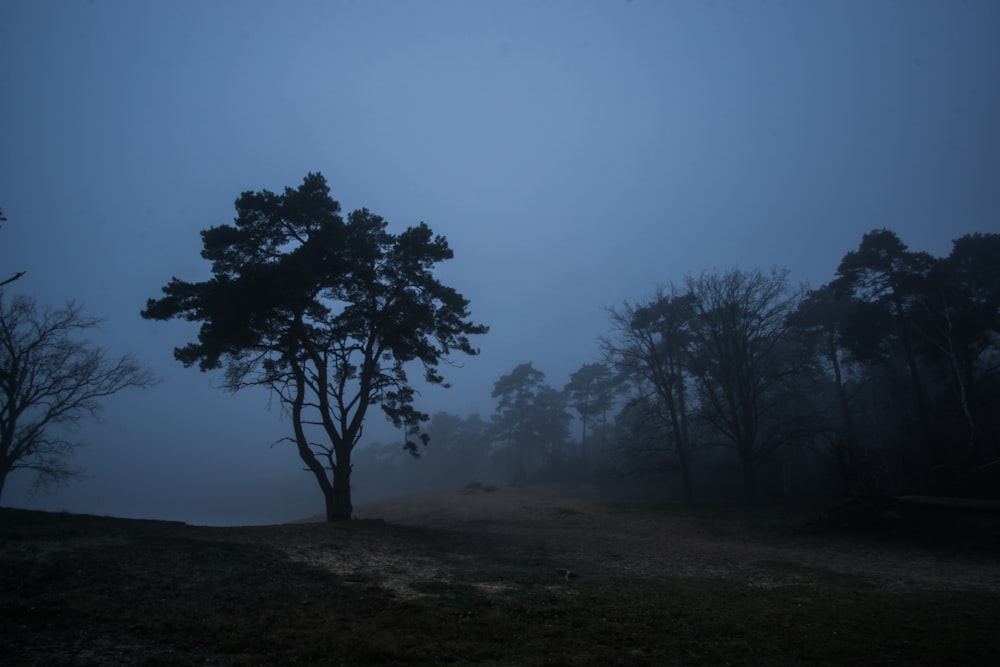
51, 379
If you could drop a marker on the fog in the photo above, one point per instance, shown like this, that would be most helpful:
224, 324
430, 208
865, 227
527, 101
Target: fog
574, 154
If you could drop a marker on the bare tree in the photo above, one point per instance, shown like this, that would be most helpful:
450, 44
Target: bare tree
651, 346
51, 379
749, 368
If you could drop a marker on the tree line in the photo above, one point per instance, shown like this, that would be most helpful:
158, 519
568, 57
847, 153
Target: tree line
885, 378
882, 381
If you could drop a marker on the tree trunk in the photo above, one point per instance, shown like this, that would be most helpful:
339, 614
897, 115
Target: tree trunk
678, 422
923, 409
338, 499
845, 405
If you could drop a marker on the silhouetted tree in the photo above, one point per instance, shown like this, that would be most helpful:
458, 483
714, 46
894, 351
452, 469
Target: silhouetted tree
548, 424
325, 313
50, 380
590, 391
516, 422
883, 278
747, 365
820, 320
652, 346
957, 321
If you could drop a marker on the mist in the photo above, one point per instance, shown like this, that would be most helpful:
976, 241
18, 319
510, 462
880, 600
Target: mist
575, 155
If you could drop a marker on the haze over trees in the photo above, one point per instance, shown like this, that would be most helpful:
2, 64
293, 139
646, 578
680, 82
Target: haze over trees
738, 384
590, 392
325, 313
460, 450
732, 384
50, 380
529, 422
886, 378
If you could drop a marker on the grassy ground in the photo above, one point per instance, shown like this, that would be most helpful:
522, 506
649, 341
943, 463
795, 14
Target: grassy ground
88, 590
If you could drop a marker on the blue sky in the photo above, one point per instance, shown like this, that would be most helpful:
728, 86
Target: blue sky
575, 154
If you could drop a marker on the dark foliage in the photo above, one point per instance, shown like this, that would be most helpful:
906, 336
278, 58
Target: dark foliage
889, 374
327, 313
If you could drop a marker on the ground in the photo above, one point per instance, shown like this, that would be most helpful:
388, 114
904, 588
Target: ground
607, 539
503, 576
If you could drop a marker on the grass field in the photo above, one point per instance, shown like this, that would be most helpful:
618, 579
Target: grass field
455, 579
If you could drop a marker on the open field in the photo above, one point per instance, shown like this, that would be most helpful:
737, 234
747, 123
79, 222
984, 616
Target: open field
481, 578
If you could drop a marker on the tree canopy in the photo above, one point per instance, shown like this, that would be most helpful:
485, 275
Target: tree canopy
327, 313
590, 391
651, 347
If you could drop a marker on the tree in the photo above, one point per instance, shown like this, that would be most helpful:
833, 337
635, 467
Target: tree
746, 364
883, 277
820, 319
325, 313
50, 380
957, 321
589, 392
652, 347
548, 426
517, 392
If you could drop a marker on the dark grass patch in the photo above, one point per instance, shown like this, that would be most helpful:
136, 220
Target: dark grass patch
168, 594
177, 597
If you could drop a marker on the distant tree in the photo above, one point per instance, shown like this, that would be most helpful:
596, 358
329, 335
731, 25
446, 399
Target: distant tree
50, 380
643, 447
747, 365
883, 278
820, 320
513, 421
590, 391
548, 424
912, 345
957, 322
325, 313
652, 345
460, 453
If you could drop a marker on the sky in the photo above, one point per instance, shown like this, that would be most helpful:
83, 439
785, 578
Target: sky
575, 154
